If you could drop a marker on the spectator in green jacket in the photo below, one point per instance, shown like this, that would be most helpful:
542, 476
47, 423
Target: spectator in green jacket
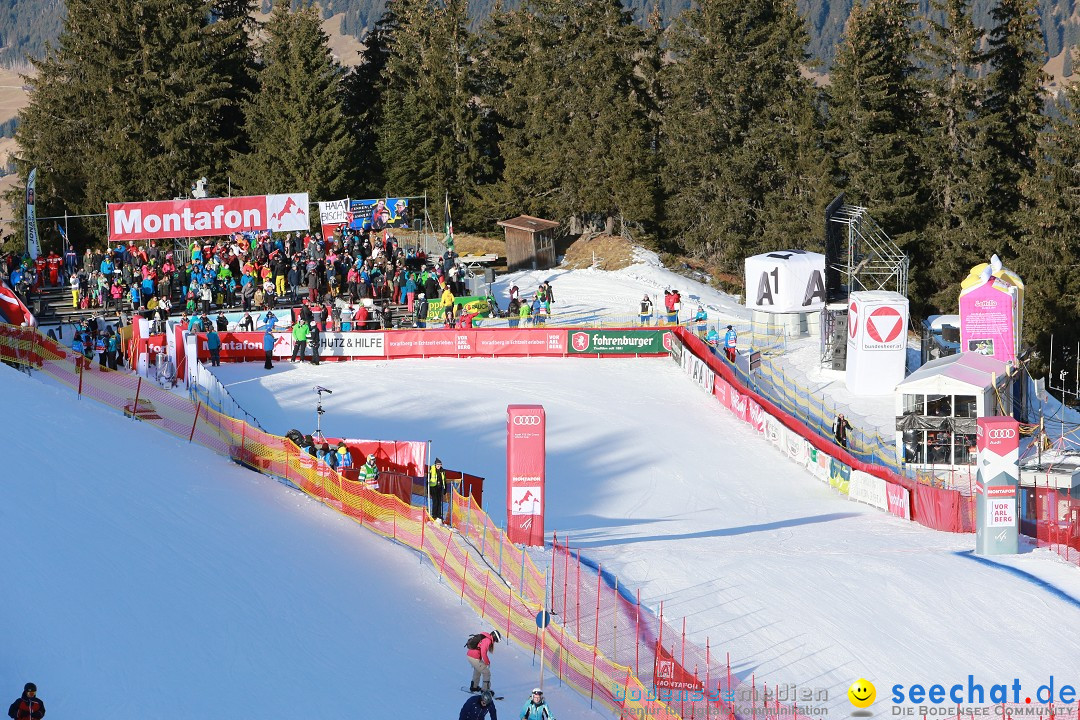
299, 339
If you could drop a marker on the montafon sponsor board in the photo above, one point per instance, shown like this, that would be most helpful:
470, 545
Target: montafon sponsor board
617, 342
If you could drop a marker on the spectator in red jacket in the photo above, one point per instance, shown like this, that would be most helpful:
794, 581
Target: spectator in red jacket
480, 659
29, 706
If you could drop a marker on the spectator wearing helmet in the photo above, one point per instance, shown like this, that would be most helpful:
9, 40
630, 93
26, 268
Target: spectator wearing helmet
480, 660
369, 473
536, 708
479, 707
345, 461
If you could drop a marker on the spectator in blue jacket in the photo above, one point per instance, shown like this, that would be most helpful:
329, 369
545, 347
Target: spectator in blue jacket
213, 344
479, 707
345, 461
268, 348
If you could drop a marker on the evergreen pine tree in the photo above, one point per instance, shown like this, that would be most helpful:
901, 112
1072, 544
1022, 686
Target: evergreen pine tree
874, 108
1010, 123
295, 124
125, 107
429, 129
1048, 247
575, 134
744, 170
955, 93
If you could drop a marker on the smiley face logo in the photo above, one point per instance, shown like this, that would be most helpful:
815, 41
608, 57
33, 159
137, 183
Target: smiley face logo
862, 693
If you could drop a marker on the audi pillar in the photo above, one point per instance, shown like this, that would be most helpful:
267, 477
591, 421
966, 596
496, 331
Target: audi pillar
526, 453
996, 521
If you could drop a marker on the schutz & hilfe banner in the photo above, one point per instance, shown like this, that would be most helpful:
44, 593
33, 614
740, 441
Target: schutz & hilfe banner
207, 217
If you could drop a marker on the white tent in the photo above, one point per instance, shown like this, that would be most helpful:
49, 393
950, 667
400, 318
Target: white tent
937, 405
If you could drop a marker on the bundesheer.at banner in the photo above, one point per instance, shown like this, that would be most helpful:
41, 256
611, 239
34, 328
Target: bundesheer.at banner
207, 217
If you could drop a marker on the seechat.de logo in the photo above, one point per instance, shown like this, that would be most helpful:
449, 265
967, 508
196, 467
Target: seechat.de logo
527, 420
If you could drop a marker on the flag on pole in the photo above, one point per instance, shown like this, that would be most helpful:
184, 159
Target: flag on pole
448, 223
33, 246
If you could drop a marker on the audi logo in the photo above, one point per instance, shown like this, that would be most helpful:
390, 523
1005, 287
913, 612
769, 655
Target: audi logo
1002, 434
526, 419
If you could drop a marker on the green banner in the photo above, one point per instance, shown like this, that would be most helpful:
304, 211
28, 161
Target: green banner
618, 342
472, 303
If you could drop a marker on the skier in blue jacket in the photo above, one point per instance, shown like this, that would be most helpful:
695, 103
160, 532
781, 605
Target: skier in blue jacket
479, 707
536, 708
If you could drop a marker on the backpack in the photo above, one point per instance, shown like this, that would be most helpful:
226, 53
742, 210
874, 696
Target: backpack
474, 641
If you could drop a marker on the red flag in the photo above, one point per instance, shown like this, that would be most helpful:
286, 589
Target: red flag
668, 674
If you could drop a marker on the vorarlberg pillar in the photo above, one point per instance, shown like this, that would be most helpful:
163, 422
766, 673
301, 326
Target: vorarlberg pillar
996, 520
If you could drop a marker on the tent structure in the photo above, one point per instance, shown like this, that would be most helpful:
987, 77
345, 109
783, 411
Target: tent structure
937, 406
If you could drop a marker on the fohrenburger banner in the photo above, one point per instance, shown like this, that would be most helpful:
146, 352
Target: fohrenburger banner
33, 245
207, 216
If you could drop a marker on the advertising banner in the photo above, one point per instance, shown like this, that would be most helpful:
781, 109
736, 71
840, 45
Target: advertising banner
739, 404
774, 429
820, 464
996, 527
429, 343
785, 281
899, 499
379, 213
698, 371
796, 447
668, 674
756, 415
866, 488
619, 342
517, 342
877, 341
333, 215
475, 304
987, 315
722, 390
206, 217
33, 243
839, 476
526, 430
331, 344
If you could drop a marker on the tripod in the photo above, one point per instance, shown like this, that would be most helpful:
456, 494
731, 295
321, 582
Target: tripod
319, 412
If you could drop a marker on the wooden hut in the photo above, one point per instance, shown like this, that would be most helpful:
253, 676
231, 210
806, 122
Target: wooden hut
530, 243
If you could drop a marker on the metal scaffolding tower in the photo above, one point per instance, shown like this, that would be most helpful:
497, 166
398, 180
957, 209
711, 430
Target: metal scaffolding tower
858, 253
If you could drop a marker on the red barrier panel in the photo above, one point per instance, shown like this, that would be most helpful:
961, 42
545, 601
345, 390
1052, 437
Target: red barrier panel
937, 508
960, 518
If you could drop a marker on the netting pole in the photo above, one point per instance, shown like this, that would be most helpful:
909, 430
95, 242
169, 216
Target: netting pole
566, 582
728, 663
753, 694
483, 540
708, 681
78, 364
483, 604
637, 634
423, 527
198, 409
682, 660
596, 627
442, 565
135, 405
577, 597
393, 518
501, 544
615, 625
521, 585
464, 574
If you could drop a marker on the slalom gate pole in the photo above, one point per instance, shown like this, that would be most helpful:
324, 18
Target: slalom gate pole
198, 409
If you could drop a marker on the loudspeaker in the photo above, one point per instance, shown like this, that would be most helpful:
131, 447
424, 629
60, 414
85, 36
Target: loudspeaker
489, 275
839, 363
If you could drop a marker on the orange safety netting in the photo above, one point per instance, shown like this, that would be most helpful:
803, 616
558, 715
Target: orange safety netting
508, 597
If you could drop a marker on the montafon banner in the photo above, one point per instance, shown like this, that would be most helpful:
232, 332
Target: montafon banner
526, 449
206, 217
